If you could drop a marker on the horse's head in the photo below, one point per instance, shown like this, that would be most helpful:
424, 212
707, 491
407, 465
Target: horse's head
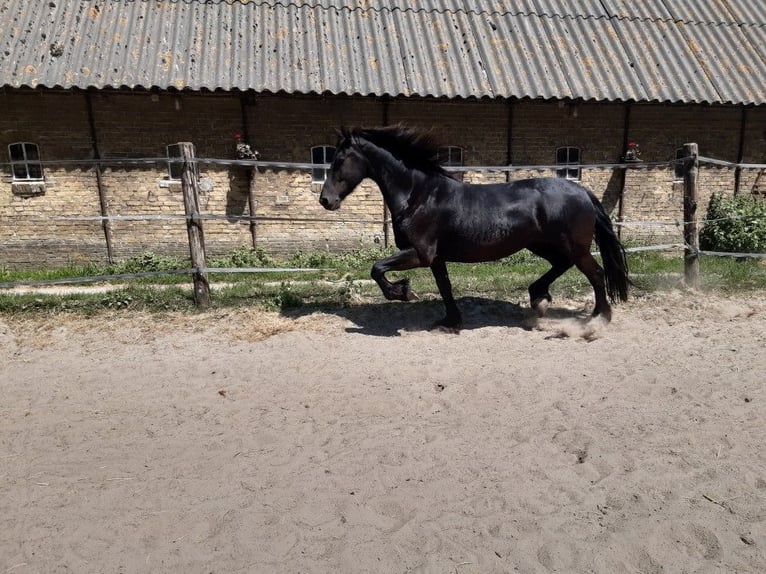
348, 168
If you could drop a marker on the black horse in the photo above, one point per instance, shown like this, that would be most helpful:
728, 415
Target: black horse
438, 219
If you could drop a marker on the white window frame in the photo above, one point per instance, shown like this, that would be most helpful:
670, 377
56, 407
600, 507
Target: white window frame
23, 168
321, 154
570, 152
452, 156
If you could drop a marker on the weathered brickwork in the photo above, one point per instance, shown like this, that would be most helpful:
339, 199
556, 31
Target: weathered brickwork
754, 181
655, 195
130, 125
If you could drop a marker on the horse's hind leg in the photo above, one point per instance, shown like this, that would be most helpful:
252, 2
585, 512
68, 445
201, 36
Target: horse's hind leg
595, 274
539, 294
453, 321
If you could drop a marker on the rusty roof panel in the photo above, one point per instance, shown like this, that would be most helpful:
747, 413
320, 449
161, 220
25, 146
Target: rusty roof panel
756, 38
615, 50
631, 10
730, 66
524, 55
662, 62
587, 57
738, 12
569, 9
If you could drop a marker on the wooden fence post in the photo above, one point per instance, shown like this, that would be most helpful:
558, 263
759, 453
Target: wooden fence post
691, 231
190, 186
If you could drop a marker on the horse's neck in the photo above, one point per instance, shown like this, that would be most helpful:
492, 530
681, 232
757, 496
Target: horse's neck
395, 180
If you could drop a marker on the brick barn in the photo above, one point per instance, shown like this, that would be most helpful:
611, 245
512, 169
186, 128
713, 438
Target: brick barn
499, 83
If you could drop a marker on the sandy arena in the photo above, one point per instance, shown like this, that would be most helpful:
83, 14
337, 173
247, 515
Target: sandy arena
357, 441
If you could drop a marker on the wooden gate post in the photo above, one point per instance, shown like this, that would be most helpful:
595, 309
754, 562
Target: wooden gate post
691, 231
190, 186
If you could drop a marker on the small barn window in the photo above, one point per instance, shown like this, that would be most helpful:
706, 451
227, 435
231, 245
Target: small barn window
321, 154
176, 168
678, 167
566, 156
25, 162
452, 156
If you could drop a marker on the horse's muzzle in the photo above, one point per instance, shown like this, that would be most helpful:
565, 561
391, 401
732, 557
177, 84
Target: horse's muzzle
328, 204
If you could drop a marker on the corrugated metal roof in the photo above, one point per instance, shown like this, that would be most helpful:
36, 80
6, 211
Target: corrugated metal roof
616, 50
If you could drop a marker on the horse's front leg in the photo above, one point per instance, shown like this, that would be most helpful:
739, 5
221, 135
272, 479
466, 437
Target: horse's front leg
453, 321
399, 291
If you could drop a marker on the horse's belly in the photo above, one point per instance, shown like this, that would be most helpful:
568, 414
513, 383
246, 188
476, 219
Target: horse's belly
484, 245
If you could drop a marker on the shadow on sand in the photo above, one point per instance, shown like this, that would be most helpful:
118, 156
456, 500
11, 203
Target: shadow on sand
388, 319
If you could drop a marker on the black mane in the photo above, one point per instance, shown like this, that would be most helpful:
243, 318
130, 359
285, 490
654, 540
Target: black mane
415, 149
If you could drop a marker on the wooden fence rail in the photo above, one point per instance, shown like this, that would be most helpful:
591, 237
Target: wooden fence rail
196, 236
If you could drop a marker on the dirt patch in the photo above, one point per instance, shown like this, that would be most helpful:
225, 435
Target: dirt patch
355, 440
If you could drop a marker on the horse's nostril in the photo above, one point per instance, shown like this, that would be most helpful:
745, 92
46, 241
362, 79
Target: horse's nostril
323, 201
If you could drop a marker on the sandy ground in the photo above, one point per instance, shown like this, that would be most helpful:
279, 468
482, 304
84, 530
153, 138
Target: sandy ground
358, 441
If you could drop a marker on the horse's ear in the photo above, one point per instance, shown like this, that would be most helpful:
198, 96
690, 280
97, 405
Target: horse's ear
343, 133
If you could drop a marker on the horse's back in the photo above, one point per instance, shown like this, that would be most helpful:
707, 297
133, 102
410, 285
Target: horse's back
546, 198
552, 190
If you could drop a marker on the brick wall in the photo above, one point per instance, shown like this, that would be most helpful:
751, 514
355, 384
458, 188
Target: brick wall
754, 181
284, 128
29, 236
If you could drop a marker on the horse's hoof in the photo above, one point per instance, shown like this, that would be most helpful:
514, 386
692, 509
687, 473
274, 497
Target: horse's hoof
448, 326
401, 291
540, 306
602, 316
449, 329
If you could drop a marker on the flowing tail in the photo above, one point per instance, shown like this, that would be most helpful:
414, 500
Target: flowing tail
612, 255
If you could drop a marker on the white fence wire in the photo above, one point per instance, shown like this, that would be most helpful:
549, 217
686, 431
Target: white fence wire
117, 162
